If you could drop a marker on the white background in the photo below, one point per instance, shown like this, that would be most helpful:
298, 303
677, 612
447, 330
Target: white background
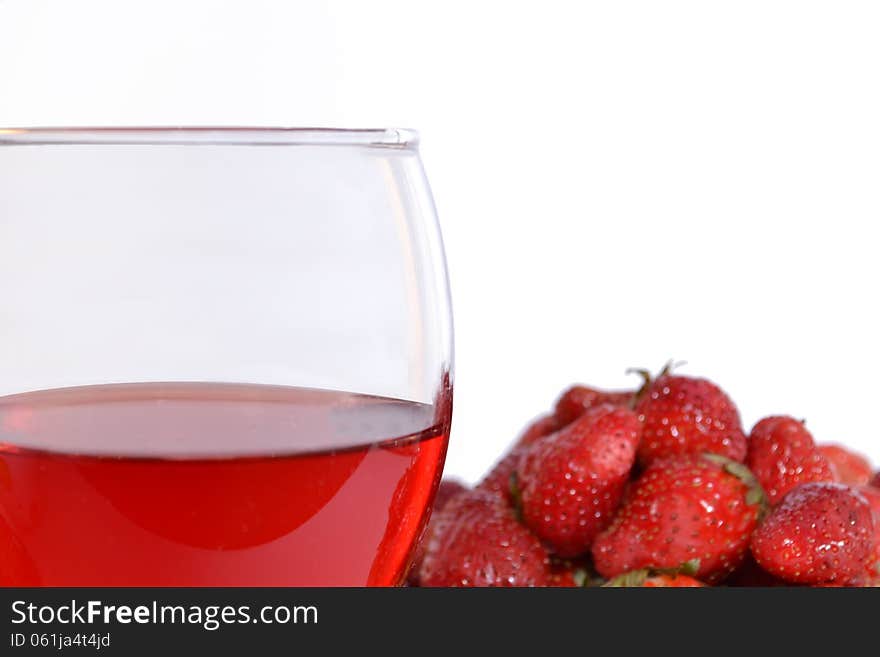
619, 183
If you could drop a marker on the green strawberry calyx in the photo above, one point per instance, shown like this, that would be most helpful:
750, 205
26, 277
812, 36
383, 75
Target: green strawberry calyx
755, 495
636, 578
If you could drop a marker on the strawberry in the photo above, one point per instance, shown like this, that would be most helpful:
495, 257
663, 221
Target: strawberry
782, 455
561, 577
859, 582
540, 427
681, 577
876, 480
446, 491
478, 542
819, 532
846, 466
872, 496
685, 415
682, 508
497, 480
568, 573
672, 581
643, 579
571, 483
750, 573
577, 399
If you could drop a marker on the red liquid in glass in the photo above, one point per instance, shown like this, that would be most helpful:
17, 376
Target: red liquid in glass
213, 485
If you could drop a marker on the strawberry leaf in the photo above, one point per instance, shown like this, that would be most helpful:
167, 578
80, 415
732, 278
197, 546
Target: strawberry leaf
581, 577
634, 578
755, 495
689, 568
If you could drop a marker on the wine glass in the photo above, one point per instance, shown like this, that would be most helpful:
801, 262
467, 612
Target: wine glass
225, 356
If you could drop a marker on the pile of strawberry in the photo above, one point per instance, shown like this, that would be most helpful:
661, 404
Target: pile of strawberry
658, 487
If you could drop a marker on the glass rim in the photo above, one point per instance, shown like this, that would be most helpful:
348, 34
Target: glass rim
211, 135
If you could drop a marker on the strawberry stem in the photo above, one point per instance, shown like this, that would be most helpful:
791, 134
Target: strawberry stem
670, 367
647, 379
646, 382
